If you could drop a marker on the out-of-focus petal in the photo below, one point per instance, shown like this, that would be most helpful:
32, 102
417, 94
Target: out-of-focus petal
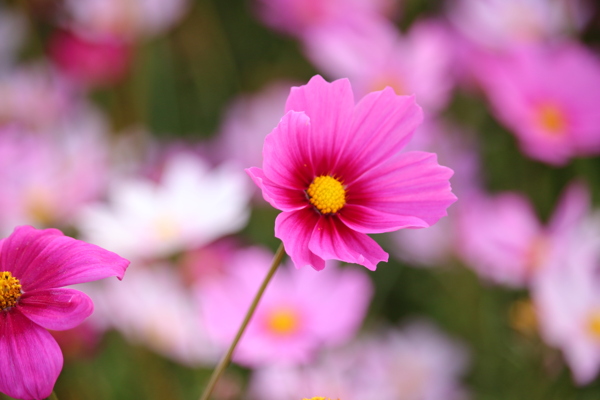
295, 230
31, 359
56, 309
331, 239
47, 259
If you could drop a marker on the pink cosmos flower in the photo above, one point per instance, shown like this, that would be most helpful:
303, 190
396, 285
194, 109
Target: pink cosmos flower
548, 97
373, 54
567, 301
335, 170
34, 265
502, 238
47, 177
292, 321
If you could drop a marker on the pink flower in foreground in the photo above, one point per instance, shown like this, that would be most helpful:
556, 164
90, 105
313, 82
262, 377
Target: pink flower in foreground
34, 265
335, 170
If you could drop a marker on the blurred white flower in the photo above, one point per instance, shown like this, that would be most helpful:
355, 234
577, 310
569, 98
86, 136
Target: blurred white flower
190, 206
153, 308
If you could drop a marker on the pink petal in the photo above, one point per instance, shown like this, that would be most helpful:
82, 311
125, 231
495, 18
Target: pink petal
30, 360
382, 125
45, 258
282, 198
573, 205
286, 152
331, 239
56, 309
411, 184
329, 107
295, 229
368, 220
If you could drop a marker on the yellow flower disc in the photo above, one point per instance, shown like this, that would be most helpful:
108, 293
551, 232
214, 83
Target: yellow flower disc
327, 194
10, 290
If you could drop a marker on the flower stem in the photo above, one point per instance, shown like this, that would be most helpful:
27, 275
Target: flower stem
227, 357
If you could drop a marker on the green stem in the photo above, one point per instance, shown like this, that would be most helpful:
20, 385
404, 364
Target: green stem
227, 357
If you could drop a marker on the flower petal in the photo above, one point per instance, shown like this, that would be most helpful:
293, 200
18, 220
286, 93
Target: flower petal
286, 152
45, 258
329, 107
368, 220
295, 229
331, 239
31, 359
411, 184
382, 125
282, 198
56, 309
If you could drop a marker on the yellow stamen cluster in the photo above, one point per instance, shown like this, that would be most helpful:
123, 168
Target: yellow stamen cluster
327, 194
552, 119
283, 321
10, 290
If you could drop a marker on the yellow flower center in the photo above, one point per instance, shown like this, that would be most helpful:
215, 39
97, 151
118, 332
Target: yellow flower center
317, 398
283, 321
552, 119
327, 194
10, 290
593, 324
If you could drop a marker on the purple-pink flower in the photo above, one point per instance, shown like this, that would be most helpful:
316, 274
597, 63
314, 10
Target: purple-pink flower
336, 171
34, 265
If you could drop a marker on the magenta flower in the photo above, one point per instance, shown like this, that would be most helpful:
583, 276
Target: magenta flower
34, 265
335, 170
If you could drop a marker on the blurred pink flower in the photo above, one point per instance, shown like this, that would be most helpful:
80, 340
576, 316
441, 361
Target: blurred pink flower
247, 121
504, 241
501, 24
373, 55
301, 311
567, 300
90, 60
47, 177
35, 265
548, 98
335, 170
190, 206
417, 362
35, 97
296, 17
